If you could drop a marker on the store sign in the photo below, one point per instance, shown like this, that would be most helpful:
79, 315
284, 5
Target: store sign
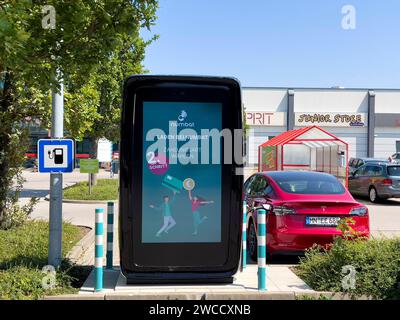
261, 118
331, 119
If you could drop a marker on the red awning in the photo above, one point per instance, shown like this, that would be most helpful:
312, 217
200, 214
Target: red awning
285, 137
292, 135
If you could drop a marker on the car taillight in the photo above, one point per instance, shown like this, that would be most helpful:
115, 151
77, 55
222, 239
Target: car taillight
282, 210
387, 182
359, 211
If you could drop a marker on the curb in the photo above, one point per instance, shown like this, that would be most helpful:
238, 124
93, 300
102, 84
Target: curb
75, 297
290, 295
47, 198
157, 296
77, 253
88, 201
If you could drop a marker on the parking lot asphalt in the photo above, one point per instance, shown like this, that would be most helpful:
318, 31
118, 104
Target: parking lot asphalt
384, 217
37, 185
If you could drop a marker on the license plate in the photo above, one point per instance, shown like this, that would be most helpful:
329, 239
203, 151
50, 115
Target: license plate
322, 221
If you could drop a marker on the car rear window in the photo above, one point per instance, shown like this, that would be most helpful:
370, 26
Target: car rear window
394, 171
310, 185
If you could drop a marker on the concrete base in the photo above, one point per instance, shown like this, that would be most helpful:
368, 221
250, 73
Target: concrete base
282, 284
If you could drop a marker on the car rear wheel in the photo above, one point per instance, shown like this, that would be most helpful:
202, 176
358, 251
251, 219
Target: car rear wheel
252, 241
373, 195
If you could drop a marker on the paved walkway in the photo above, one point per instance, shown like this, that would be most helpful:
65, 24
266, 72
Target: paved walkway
280, 279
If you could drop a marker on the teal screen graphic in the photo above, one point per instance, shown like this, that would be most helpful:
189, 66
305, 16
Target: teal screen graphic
181, 182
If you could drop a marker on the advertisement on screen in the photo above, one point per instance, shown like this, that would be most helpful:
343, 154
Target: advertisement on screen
181, 182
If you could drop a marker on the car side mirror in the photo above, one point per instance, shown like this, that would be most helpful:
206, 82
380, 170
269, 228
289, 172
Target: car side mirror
261, 201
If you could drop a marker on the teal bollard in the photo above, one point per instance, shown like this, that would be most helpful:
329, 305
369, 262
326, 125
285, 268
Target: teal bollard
262, 249
110, 235
98, 263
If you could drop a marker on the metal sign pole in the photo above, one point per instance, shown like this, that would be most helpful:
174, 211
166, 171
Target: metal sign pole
56, 183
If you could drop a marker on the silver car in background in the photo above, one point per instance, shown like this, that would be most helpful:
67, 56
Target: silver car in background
355, 163
377, 181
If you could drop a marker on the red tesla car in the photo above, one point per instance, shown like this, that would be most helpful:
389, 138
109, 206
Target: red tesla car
306, 208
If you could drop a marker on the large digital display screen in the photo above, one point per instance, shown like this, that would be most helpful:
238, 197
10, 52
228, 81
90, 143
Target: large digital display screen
181, 180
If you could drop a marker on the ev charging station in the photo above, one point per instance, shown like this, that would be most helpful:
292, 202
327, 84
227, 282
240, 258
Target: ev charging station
180, 202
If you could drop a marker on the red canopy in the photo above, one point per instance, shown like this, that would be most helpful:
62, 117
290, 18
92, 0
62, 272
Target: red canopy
307, 148
296, 135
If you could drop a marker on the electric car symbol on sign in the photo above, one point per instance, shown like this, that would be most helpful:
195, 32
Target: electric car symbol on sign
306, 208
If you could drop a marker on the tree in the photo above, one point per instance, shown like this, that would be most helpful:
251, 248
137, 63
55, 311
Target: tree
86, 35
102, 96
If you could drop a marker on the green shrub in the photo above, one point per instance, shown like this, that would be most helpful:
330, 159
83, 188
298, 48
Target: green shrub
376, 262
28, 244
25, 283
15, 215
23, 254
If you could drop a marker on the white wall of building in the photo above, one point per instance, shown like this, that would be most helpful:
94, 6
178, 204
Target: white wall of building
387, 101
264, 99
325, 101
319, 100
356, 138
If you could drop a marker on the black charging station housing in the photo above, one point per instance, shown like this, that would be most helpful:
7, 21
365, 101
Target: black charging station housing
153, 263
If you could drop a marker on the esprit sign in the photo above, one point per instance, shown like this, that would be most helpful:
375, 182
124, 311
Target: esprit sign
259, 118
331, 119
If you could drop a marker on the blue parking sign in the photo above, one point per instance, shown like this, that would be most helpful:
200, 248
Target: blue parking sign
56, 155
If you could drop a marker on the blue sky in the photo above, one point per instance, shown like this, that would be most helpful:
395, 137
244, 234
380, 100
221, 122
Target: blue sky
298, 43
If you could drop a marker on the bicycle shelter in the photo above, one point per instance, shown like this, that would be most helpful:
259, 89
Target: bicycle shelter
308, 148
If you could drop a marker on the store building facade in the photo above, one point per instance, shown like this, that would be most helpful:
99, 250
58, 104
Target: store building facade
368, 120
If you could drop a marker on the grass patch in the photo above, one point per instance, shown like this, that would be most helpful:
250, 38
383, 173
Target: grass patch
376, 263
23, 254
106, 189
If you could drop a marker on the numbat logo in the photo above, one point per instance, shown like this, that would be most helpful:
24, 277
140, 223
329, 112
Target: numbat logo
180, 123
182, 116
